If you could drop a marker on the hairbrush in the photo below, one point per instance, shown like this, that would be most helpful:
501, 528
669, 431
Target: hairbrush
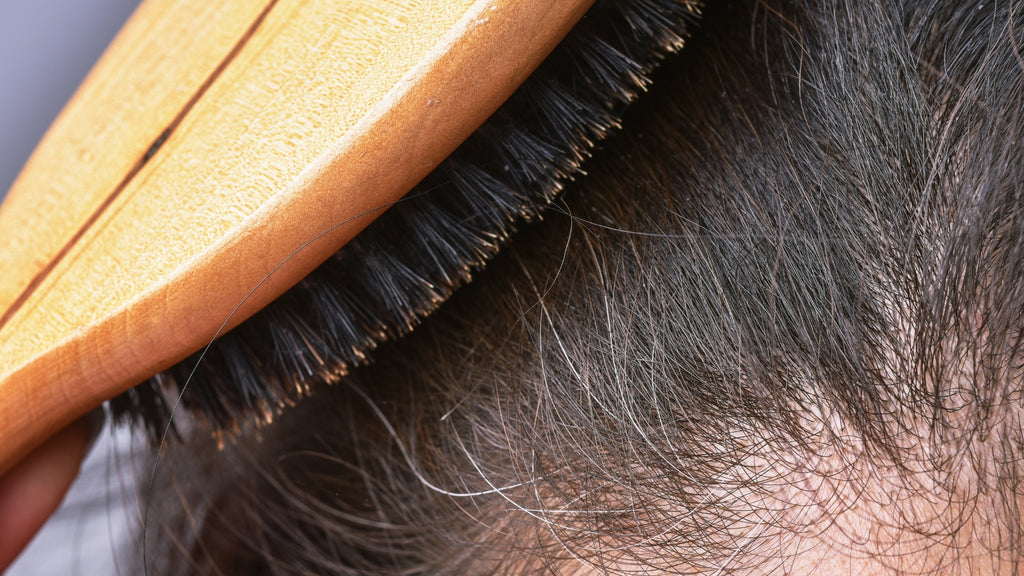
218, 154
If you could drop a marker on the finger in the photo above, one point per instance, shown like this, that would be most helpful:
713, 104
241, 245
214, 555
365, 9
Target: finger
33, 488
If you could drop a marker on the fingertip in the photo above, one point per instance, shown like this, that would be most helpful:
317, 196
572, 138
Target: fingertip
31, 491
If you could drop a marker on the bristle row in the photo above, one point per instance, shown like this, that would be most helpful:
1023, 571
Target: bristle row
409, 261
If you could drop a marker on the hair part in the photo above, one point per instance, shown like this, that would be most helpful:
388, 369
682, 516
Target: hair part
779, 323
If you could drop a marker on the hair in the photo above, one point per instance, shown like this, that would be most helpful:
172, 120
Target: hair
778, 324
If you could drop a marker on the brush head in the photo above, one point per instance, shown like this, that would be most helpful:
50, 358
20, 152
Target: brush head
409, 261
191, 181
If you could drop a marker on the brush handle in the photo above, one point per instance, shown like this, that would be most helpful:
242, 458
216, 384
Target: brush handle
216, 155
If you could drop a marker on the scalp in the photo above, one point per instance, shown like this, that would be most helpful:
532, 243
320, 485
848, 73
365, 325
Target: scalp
776, 329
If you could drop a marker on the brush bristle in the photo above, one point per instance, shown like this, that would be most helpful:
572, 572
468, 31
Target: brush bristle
412, 258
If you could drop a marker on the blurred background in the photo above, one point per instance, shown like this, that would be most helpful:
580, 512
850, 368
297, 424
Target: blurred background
46, 49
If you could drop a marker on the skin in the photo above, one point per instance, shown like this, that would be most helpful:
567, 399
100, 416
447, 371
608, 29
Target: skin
835, 508
33, 489
51, 47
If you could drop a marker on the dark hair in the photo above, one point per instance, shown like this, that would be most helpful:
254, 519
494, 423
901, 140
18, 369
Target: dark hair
779, 320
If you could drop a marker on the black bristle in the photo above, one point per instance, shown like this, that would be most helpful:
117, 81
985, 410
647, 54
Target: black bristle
409, 261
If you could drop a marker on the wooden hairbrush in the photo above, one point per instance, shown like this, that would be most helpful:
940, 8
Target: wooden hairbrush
215, 155
218, 154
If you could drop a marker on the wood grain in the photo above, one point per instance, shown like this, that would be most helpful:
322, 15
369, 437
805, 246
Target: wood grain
132, 245
143, 80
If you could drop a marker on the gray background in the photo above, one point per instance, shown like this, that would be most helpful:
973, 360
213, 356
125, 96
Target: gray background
46, 48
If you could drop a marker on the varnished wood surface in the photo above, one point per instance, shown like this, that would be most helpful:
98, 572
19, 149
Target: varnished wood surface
217, 154
145, 78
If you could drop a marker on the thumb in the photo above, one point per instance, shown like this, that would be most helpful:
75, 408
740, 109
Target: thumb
32, 490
